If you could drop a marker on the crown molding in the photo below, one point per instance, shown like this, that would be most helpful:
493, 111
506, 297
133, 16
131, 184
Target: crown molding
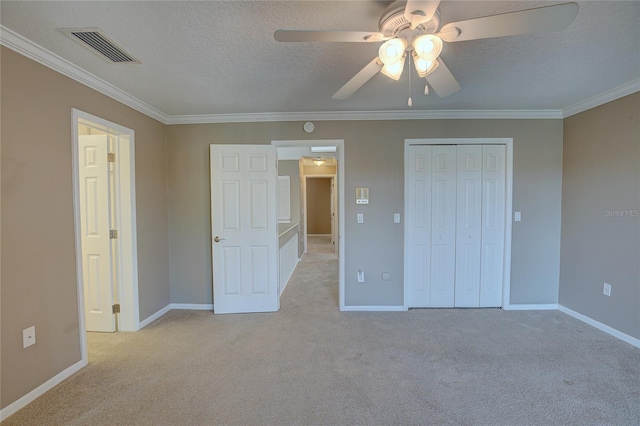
31, 50
366, 115
603, 98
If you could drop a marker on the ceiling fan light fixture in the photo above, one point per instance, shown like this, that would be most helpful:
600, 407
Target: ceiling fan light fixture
392, 51
423, 67
394, 71
427, 46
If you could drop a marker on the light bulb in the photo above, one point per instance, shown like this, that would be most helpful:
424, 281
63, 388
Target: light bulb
392, 51
393, 71
427, 46
423, 67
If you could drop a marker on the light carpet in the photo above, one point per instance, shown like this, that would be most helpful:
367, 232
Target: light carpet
311, 364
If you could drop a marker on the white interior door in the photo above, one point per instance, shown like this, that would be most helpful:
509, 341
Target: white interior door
244, 228
493, 225
468, 225
96, 244
443, 226
419, 223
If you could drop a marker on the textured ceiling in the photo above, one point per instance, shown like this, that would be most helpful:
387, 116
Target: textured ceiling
219, 57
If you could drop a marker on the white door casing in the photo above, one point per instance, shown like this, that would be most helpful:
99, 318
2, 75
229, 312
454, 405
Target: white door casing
96, 244
244, 221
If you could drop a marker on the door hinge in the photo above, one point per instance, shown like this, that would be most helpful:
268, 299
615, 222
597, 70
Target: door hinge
111, 157
113, 234
116, 308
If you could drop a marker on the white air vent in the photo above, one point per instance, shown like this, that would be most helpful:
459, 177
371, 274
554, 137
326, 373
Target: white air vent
99, 43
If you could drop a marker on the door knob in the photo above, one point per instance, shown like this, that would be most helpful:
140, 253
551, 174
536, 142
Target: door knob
218, 239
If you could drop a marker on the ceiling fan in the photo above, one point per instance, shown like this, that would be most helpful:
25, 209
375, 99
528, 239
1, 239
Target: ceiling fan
412, 29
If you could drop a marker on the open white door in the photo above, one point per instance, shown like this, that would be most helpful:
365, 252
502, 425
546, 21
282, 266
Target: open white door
244, 228
96, 244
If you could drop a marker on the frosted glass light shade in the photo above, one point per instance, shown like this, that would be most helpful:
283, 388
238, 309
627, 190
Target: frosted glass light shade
392, 51
423, 68
393, 71
428, 46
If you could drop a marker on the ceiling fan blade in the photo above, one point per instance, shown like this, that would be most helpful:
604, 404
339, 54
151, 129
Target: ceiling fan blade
419, 11
358, 80
442, 81
542, 19
327, 36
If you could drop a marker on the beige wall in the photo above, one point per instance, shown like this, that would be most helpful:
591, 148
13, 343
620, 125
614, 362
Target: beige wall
319, 206
601, 177
38, 246
373, 158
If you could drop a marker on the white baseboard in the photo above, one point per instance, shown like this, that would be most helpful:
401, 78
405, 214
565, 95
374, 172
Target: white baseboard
600, 326
531, 307
383, 308
193, 306
45, 387
155, 316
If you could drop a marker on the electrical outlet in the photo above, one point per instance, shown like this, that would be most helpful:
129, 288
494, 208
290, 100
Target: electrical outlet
606, 289
360, 276
28, 336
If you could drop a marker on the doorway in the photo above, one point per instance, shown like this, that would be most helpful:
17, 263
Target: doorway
105, 225
313, 165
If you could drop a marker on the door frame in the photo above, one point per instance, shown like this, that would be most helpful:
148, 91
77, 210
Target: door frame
129, 319
508, 143
339, 143
331, 177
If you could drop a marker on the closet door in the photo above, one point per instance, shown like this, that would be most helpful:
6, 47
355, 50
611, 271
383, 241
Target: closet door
493, 225
419, 225
468, 225
443, 226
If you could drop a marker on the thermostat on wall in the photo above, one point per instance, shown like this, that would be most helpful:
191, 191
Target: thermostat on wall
362, 195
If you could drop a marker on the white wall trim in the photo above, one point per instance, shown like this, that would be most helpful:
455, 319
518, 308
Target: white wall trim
372, 308
531, 307
600, 326
367, 115
193, 306
31, 50
603, 98
40, 390
151, 318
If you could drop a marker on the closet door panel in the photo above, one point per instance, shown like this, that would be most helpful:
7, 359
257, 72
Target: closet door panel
468, 225
419, 225
443, 228
493, 225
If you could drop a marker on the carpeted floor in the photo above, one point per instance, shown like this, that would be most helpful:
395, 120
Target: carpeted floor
311, 364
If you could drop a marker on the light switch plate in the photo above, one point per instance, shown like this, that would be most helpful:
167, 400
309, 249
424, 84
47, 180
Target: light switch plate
518, 216
360, 276
396, 218
29, 336
360, 217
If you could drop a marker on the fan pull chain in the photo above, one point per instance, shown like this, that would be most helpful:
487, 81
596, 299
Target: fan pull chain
409, 102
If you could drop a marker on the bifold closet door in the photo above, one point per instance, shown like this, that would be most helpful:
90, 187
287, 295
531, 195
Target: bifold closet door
443, 226
418, 192
468, 225
493, 225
